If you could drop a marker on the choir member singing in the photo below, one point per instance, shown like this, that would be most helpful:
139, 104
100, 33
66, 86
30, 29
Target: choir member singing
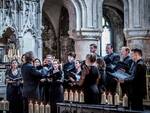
137, 80
111, 60
14, 81
57, 87
68, 68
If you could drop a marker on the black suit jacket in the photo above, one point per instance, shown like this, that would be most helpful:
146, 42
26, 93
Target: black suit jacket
30, 77
137, 79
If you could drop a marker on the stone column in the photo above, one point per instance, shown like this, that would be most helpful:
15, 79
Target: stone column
137, 30
83, 39
91, 27
139, 39
40, 48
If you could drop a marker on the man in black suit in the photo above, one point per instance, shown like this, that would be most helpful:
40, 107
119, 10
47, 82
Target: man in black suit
68, 68
111, 60
93, 49
137, 80
31, 78
125, 65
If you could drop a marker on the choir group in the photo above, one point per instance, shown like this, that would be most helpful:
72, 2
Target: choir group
49, 81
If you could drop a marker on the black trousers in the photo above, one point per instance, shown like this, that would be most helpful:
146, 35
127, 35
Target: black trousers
25, 105
136, 103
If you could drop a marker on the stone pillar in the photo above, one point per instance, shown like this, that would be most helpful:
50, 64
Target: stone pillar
83, 39
137, 30
139, 39
90, 29
40, 49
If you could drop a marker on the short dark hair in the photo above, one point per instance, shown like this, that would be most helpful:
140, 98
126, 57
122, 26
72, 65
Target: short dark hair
109, 45
29, 57
91, 57
136, 50
37, 59
93, 45
22, 57
72, 54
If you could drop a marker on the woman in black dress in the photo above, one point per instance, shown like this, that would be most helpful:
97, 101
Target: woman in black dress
57, 87
14, 81
89, 80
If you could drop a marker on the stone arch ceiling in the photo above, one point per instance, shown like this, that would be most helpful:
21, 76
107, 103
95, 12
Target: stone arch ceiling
53, 9
118, 4
113, 11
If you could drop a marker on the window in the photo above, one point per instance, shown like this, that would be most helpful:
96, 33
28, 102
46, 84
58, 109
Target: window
106, 36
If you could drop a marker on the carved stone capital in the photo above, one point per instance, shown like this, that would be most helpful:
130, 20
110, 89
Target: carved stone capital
132, 33
85, 34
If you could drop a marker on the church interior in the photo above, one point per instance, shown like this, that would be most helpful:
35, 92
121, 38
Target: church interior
57, 27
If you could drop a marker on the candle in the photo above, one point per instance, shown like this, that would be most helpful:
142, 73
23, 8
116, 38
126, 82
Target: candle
109, 99
5, 58
9, 53
76, 96
70, 95
103, 98
125, 101
36, 108
81, 96
30, 107
41, 108
18, 53
66, 95
116, 99
6, 105
47, 108
2, 105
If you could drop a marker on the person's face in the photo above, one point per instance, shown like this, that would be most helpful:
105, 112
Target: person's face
124, 53
109, 50
23, 59
70, 59
87, 62
77, 64
49, 60
45, 62
37, 63
55, 65
14, 64
133, 56
92, 49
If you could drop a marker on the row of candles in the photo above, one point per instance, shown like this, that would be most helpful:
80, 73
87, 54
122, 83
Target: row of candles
108, 99
4, 105
74, 96
12, 54
39, 108
105, 99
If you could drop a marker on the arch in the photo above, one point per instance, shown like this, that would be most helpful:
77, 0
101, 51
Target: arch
115, 16
72, 14
29, 30
78, 14
128, 4
126, 13
84, 13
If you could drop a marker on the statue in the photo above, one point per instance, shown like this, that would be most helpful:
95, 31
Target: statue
13, 45
9, 7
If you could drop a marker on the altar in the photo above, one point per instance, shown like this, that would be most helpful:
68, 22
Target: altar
84, 108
